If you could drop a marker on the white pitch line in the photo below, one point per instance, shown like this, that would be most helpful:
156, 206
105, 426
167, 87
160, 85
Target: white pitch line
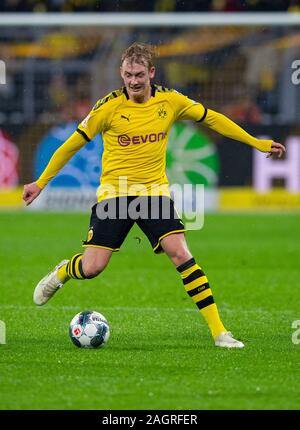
116, 308
224, 308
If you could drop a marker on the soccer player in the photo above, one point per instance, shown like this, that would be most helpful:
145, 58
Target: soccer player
135, 122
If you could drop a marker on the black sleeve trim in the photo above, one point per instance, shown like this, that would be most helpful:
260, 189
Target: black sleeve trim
203, 116
83, 134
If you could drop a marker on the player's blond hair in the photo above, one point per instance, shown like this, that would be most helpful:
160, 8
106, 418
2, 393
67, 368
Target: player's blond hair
140, 53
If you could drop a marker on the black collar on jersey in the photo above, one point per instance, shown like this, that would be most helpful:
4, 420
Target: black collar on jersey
126, 93
153, 90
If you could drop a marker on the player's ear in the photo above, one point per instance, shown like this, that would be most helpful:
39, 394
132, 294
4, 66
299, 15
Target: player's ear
152, 72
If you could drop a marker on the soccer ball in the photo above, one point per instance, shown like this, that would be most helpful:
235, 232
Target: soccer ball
89, 329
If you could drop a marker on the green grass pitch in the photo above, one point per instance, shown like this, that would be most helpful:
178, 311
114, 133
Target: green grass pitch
160, 354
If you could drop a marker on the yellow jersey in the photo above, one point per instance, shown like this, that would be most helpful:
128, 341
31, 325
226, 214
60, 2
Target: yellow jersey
135, 137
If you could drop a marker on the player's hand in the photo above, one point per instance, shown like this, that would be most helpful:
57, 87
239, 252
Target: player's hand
277, 149
30, 192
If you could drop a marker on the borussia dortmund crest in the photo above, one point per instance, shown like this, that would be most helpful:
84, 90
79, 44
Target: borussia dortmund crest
162, 113
90, 235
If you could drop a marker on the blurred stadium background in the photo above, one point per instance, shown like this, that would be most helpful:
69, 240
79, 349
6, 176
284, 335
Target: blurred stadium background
55, 73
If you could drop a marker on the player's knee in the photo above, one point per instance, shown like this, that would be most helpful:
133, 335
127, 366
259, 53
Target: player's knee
180, 256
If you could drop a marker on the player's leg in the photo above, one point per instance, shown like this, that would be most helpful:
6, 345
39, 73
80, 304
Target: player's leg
165, 233
105, 235
85, 266
80, 266
194, 280
197, 286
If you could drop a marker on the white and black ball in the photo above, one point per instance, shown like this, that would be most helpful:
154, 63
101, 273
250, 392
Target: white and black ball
89, 329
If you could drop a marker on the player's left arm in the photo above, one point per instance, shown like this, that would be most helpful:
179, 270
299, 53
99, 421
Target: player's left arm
225, 126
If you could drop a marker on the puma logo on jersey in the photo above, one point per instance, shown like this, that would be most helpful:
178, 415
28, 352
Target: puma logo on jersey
125, 117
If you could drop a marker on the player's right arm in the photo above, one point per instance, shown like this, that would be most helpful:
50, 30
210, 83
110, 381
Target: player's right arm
60, 157
93, 124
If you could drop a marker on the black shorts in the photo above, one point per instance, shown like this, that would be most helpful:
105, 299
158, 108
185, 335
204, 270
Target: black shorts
112, 219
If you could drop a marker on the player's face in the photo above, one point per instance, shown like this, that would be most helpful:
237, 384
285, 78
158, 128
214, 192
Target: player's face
136, 78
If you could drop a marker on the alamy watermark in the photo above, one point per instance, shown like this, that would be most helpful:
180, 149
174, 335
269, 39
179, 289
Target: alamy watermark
2, 72
296, 334
295, 78
2, 333
140, 202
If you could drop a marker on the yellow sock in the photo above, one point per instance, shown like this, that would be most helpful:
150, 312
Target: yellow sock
62, 274
197, 286
212, 317
73, 269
